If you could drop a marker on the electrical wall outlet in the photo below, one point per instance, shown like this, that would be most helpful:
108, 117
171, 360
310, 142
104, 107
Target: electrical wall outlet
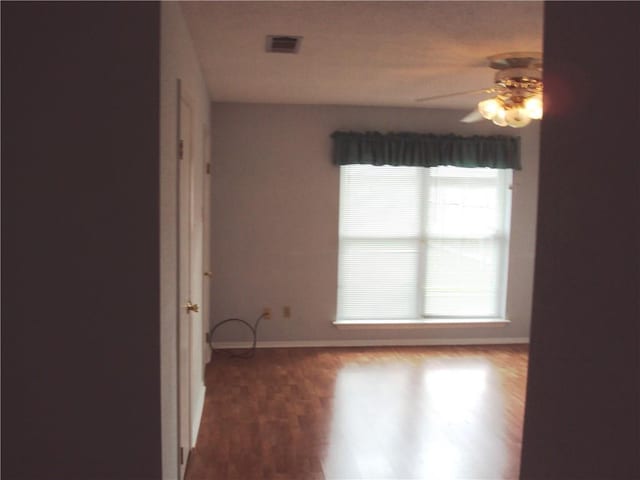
266, 313
286, 311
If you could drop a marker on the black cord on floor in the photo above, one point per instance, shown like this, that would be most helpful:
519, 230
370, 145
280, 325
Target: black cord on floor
242, 353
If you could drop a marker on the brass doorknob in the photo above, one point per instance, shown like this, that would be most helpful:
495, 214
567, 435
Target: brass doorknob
208, 274
192, 307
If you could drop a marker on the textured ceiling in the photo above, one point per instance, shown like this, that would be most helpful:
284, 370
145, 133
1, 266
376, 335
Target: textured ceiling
358, 53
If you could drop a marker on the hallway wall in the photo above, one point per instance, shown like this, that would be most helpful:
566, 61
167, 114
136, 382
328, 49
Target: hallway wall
582, 416
80, 222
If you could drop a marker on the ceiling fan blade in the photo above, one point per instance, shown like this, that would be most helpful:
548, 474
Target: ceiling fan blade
474, 116
469, 92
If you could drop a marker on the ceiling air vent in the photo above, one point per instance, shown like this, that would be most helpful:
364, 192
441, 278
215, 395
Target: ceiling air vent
283, 43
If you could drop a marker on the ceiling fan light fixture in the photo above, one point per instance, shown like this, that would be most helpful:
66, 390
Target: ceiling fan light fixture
518, 84
518, 91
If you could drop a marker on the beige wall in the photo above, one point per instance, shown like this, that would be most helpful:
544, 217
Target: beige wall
178, 61
275, 219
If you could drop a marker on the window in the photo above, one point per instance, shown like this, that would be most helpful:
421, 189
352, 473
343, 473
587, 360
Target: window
422, 243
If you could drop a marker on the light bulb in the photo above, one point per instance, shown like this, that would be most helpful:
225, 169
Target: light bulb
500, 117
533, 107
489, 108
517, 117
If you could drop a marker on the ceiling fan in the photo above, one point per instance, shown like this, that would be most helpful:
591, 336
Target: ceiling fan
517, 91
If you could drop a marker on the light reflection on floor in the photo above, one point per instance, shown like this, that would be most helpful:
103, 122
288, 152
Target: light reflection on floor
415, 421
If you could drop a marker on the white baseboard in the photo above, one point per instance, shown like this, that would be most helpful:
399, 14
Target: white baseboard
376, 343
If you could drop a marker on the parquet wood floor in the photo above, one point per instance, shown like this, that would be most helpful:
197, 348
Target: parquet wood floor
363, 413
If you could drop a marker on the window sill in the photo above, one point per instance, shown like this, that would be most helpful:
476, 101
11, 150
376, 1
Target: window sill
422, 323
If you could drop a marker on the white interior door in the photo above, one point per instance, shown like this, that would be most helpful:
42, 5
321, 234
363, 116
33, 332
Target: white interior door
191, 327
185, 303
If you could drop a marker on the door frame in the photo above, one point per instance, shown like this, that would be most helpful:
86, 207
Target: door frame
183, 325
206, 244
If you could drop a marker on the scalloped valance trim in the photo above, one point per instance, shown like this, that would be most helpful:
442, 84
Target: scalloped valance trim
426, 150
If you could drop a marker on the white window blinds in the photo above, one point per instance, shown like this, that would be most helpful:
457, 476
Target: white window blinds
422, 242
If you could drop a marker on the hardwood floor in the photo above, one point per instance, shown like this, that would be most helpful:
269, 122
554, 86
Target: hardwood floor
363, 413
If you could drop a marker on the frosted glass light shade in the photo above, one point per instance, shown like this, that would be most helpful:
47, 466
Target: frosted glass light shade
489, 108
533, 107
517, 118
500, 118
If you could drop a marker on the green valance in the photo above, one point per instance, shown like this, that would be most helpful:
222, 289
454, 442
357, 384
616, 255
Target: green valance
425, 150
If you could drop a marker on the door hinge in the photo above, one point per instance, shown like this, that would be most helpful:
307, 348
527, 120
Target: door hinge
181, 456
208, 168
180, 149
